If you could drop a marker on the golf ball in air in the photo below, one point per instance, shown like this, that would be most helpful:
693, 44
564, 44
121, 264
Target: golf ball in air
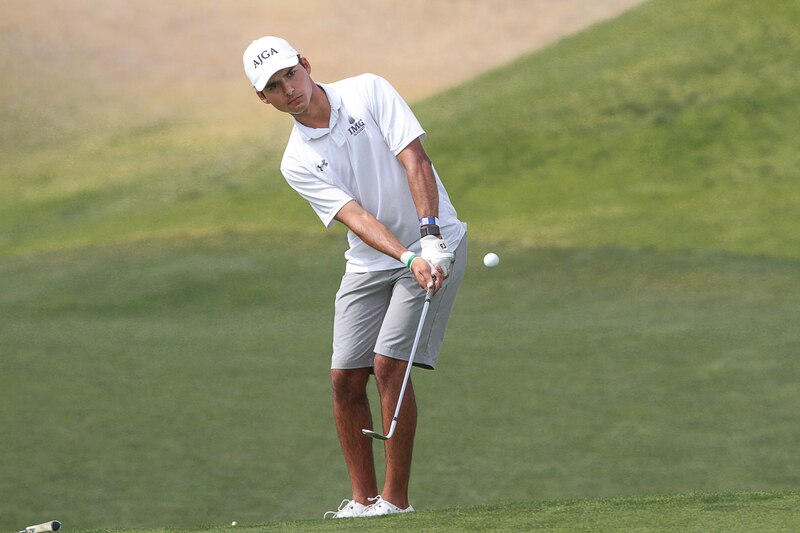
491, 260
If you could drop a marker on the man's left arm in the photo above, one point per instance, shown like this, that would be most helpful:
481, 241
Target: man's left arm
421, 179
425, 193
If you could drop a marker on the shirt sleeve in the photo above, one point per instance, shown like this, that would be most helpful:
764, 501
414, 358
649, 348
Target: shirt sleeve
397, 122
325, 199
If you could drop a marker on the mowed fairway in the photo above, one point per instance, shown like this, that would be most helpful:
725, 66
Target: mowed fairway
165, 344
165, 380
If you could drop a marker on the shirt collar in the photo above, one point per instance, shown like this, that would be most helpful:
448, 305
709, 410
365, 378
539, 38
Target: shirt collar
336, 102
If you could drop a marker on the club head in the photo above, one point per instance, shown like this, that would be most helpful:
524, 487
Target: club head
374, 435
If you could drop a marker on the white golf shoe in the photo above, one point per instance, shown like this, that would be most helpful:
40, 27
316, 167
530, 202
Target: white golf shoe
381, 508
347, 509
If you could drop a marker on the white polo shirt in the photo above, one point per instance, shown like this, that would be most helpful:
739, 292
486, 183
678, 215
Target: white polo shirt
355, 158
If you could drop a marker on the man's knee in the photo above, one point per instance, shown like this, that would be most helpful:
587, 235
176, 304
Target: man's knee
389, 370
349, 385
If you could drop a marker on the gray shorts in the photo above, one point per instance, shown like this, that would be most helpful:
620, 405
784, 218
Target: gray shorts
378, 312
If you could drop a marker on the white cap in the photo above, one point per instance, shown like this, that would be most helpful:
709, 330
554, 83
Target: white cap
266, 56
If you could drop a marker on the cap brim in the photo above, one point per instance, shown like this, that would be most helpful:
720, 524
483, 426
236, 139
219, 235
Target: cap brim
276, 66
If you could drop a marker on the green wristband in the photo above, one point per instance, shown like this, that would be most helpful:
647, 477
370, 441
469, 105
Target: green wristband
408, 258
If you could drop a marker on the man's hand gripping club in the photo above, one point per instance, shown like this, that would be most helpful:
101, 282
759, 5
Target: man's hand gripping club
436, 265
436, 252
437, 260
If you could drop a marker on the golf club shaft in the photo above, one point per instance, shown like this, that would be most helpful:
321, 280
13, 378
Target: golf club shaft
410, 362
393, 426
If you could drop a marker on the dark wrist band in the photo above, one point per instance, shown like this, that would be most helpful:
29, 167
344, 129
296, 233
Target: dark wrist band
430, 229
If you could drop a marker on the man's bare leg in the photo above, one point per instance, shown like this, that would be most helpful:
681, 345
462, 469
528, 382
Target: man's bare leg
389, 374
352, 413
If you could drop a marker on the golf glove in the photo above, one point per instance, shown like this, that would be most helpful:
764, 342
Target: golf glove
436, 252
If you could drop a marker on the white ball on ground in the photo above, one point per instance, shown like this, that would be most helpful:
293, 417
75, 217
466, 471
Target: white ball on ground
491, 260
234, 523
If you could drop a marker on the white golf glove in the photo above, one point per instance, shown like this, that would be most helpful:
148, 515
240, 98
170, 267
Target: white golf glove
436, 252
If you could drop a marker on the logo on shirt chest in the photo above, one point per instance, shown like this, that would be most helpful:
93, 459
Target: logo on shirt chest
321, 165
356, 126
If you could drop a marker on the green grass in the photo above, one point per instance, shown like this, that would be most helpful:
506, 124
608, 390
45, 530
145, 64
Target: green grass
706, 513
166, 301
672, 127
170, 379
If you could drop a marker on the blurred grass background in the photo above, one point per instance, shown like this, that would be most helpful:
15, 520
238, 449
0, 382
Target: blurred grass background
167, 299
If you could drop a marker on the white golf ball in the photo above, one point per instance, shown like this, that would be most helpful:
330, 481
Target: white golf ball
234, 523
491, 260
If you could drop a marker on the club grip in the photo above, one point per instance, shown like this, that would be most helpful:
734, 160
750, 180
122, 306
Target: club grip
429, 295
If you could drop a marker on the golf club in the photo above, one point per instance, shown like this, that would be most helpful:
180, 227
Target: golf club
373, 434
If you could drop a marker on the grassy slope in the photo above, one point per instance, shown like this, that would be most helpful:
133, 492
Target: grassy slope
673, 128
642, 340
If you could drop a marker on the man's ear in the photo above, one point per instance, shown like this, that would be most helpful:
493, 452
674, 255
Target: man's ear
262, 97
305, 64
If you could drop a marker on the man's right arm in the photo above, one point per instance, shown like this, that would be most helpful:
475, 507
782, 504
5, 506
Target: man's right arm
373, 232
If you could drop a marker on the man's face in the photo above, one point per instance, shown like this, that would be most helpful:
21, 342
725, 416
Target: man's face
289, 90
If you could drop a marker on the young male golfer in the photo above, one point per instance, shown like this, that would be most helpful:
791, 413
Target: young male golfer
355, 154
